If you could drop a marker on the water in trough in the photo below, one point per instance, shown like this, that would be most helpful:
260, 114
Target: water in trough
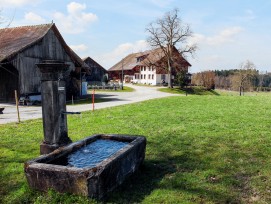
94, 153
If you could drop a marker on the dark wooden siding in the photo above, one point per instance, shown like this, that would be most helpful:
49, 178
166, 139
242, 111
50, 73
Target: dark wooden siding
25, 62
9, 83
97, 71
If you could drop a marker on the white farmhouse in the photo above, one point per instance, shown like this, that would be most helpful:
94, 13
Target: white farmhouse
149, 67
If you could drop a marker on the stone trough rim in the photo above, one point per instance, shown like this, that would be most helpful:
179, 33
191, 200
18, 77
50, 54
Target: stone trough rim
36, 163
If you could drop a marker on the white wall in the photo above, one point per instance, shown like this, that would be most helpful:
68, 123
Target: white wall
147, 75
150, 77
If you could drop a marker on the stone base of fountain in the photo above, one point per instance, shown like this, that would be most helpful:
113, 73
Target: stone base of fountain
52, 171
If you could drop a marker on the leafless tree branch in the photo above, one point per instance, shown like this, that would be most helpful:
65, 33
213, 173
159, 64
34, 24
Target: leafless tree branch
168, 33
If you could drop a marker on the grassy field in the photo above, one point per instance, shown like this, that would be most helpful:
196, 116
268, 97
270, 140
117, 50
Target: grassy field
200, 149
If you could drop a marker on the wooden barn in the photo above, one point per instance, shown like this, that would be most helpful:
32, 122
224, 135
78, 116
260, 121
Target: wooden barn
21, 48
97, 72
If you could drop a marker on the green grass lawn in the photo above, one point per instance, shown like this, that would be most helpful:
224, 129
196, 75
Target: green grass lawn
200, 149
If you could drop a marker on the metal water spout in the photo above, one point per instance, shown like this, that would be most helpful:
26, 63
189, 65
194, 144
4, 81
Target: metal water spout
53, 96
70, 113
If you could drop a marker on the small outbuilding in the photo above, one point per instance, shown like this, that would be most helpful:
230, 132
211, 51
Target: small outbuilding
97, 72
21, 48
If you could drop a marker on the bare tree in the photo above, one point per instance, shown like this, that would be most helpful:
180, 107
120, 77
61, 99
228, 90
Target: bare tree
205, 79
169, 33
4, 20
243, 77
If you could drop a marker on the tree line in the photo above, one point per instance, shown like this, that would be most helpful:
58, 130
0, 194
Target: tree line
245, 78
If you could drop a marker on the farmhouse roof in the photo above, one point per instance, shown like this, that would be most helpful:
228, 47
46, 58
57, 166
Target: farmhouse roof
140, 59
17, 39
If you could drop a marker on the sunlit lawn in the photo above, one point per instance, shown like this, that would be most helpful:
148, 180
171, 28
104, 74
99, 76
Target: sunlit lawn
200, 149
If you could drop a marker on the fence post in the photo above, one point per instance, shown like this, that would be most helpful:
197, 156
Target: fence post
93, 99
17, 106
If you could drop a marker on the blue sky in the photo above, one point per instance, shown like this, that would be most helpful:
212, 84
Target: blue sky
227, 32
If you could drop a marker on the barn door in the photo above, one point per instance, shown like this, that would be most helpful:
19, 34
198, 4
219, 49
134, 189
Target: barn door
9, 81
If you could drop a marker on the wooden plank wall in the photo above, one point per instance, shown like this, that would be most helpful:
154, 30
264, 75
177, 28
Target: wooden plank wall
25, 62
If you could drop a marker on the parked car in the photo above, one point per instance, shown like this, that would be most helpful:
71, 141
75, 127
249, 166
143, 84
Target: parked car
30, 99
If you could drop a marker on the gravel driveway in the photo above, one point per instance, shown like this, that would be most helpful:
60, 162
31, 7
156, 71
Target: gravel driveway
141, 93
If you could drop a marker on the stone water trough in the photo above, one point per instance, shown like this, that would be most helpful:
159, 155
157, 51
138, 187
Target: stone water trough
89, 167
52, 171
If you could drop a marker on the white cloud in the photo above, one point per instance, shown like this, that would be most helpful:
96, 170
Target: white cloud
120, 52
128, 48
79, 48
75, 8
196, 39
225, 36
17, 3
76, 20
34, 18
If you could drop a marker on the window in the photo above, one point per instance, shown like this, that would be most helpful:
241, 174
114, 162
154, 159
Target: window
149, 76
163, 76
152, 76
149, 68
141, 76
144, 76
144, 68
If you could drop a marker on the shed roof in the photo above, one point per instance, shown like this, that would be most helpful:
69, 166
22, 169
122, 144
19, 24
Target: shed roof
91, 62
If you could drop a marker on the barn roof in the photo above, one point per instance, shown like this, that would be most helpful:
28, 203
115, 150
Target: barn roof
17, 39
13, 40
90, 62
131, 61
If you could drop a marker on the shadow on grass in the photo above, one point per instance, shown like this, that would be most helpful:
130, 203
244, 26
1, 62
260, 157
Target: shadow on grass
199, 91
168, 174
99, 98
193, 90
142, 183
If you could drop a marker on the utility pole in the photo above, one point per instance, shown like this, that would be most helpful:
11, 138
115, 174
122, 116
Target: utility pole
122, 74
